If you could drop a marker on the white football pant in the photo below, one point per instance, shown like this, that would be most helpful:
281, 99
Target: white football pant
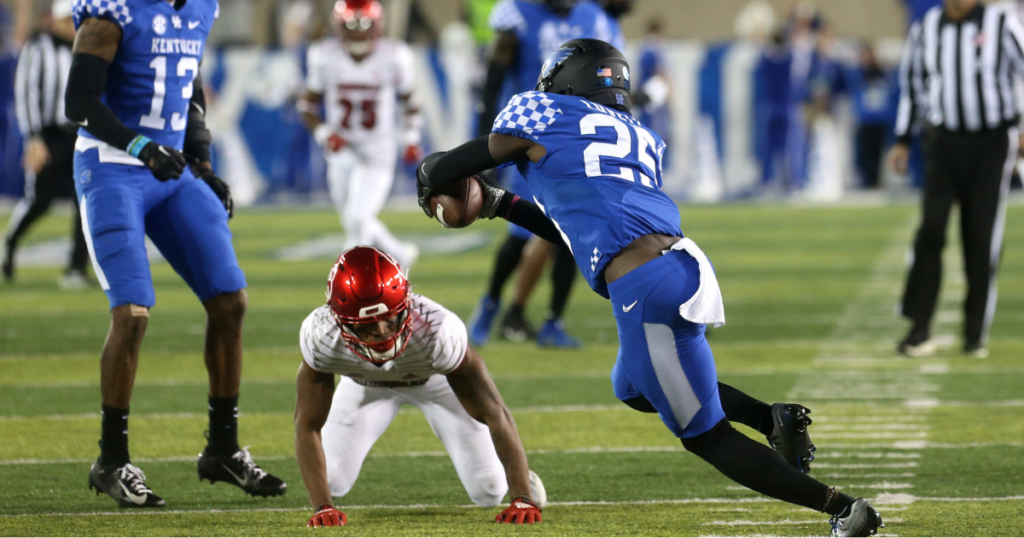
359, 187
359, 415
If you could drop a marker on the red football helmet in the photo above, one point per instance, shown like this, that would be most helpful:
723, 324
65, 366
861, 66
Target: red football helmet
364, 288
359, 23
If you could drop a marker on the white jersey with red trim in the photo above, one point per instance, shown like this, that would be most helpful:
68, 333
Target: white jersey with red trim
360, 97
437, 345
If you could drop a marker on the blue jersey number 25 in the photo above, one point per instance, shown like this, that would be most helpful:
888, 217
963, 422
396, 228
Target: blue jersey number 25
647, 149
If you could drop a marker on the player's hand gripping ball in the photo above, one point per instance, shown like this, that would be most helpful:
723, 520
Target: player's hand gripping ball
327, 516
457, 204
522, 510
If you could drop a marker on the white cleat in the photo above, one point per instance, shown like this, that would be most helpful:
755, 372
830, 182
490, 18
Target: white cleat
73, 280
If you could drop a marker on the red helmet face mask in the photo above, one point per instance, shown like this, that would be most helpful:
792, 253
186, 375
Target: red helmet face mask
369, 299
359, 23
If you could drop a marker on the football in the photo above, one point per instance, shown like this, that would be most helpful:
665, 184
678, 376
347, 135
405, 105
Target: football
458, 204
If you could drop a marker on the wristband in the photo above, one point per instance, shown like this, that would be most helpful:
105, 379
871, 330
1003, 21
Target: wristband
324, 507
136, 145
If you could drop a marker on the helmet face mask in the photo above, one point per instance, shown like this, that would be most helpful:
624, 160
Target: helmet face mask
380, 340
368, 296
358, 24
588, 68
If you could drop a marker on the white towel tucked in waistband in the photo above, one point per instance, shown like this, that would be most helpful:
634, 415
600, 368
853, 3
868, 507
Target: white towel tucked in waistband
706, 304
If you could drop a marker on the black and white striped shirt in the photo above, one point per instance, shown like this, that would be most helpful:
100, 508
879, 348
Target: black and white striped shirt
959, 74
39, 84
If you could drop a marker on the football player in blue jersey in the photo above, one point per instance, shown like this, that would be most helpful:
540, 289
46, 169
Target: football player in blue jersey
142, 167
527, 33
595, 174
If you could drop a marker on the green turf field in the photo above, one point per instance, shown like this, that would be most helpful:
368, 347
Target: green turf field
938, 443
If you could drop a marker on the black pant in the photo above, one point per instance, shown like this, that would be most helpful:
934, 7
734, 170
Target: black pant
972, 170
55, 179
870, 143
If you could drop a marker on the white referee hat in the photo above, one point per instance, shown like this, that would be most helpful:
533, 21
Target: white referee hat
61, 9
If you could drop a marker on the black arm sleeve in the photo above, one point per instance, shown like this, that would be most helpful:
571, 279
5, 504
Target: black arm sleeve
82, 105
197, 136
526, 214
489, 96
466, 160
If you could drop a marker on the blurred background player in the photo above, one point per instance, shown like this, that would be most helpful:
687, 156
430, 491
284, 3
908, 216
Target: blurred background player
391, 348
526, 33
361, 78
139, 127
39, 85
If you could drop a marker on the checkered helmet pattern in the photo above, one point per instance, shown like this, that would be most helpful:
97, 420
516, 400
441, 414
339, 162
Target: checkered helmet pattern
528, 112
115, 10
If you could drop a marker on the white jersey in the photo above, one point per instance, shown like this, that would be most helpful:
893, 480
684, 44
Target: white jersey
437, 345
360, 98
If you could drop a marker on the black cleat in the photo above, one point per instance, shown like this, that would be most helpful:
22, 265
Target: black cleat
126, 484
790, 437
515, 328
238, 469
863, 520
916, 344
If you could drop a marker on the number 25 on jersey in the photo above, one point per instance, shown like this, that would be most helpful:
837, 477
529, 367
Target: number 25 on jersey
648, 153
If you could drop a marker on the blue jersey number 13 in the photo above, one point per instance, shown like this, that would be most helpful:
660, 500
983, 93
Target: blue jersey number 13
188, 66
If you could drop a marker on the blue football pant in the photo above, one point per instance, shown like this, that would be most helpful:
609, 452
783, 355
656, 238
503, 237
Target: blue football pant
667, 361
122, 204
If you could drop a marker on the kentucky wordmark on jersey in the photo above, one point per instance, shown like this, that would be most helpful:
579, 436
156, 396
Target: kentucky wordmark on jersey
437, 345
600, 179
150, 80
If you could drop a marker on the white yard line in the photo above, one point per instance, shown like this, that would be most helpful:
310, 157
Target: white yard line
899, 499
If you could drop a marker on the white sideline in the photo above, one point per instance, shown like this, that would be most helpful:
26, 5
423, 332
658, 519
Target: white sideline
555, 503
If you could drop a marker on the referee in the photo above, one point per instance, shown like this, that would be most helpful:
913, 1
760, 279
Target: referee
49, 140
957, 74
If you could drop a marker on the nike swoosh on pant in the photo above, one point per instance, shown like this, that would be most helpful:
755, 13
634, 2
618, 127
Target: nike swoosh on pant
630, 307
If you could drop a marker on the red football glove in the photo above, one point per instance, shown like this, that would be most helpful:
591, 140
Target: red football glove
522, 510
335, 143
327, 516
413, 154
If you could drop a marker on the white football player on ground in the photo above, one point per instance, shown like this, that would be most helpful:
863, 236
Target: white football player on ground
390, 348
361, 79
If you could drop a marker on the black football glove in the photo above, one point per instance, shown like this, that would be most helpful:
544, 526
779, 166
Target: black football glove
423, 192
165, 162
492, 195
218, 187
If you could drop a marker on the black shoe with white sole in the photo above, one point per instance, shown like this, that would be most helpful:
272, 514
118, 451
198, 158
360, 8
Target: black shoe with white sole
916, 344
861, 520
238, 469
790, 437
126, 484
